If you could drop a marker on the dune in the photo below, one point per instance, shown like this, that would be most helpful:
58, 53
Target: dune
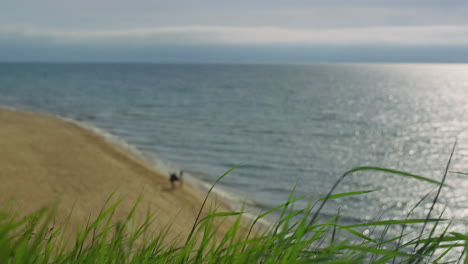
45, 160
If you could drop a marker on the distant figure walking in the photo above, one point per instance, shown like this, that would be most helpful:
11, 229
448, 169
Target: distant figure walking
173, 178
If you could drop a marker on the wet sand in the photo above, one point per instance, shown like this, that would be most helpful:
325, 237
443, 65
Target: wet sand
44, 160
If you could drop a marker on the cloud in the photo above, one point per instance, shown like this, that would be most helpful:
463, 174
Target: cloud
221, 35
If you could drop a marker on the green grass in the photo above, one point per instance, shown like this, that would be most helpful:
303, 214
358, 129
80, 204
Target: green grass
298, 236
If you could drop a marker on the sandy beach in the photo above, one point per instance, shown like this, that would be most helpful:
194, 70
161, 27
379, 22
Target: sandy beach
44, 160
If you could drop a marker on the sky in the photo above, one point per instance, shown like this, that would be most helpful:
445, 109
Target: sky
241, 31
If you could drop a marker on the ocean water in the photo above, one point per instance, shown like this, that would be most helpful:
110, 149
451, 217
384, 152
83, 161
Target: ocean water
287, 125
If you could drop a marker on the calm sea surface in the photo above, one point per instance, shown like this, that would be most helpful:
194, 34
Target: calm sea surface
287, 124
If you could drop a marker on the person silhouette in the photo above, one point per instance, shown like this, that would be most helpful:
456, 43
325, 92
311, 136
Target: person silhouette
173, 178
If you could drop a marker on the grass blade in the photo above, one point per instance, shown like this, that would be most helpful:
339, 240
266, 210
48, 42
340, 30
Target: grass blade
341, 195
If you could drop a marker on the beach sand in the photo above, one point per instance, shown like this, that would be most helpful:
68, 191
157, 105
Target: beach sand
44, 160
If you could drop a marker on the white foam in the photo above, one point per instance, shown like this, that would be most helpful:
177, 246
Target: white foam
154, 162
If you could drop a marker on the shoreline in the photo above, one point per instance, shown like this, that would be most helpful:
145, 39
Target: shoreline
228, 198
48, 159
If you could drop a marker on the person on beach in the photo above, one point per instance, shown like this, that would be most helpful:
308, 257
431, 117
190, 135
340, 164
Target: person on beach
173, 178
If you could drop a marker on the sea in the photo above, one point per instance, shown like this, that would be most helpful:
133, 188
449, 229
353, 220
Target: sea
289, 127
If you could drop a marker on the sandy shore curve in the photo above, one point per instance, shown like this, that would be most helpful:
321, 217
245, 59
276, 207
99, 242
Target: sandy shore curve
44, 160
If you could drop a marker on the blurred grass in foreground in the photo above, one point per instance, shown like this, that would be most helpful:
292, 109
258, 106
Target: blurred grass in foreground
298, 236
